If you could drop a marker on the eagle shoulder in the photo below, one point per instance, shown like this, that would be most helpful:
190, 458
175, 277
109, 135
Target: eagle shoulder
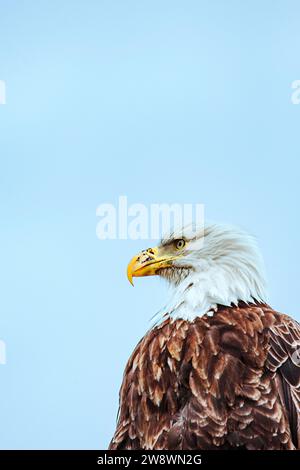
212, 383
284, 360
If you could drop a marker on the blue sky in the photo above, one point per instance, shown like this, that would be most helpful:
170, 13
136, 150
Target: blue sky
186, 102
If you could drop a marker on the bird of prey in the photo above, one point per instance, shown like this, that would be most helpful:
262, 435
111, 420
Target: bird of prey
220, 369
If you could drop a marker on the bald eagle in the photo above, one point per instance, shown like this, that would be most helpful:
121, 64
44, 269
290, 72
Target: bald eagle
220, 369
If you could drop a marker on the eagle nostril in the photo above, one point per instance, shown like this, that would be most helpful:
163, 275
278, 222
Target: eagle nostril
144, 258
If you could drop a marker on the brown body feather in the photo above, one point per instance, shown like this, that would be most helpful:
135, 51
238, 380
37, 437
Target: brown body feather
220, 382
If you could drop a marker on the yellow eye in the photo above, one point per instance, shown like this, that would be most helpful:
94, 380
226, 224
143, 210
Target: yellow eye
180, 244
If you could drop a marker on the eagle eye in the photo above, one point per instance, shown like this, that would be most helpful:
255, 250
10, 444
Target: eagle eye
180, 244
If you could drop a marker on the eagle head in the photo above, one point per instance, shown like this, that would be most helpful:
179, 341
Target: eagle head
211, 266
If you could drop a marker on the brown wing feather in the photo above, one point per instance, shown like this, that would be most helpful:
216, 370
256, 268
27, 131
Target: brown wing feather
284, 359
205, 384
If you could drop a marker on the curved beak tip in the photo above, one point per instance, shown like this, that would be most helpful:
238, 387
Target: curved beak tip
143, 264
129, 276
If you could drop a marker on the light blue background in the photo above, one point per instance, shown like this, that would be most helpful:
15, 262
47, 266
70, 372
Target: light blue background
160, 101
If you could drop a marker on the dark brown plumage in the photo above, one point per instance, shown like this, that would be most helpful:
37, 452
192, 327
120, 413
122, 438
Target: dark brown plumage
218, 382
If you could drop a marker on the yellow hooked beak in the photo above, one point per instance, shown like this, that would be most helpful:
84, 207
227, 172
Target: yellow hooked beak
148, 262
